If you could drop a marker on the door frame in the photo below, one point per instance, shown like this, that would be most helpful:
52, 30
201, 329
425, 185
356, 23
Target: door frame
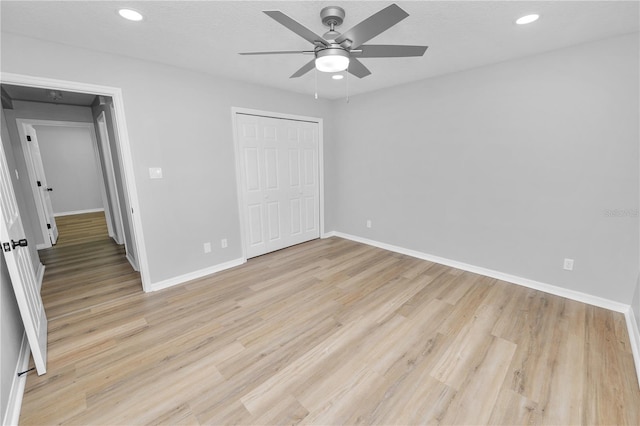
102, 136
235, 111
22, 123
128, 171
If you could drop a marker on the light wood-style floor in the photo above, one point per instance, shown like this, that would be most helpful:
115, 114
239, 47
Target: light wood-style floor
327, 332
85, 268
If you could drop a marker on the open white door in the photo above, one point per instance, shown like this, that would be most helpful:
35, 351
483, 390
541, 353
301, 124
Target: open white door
21, 271
32, 154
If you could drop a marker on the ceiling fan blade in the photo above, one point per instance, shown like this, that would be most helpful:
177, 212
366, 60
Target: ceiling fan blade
389, 51
373, 25
305, 69
281, 52
296, 27
357, 68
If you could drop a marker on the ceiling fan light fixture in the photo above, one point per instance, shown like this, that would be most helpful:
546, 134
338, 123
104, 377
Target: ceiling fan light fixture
332, 60
527, 19
337, 76
130, 14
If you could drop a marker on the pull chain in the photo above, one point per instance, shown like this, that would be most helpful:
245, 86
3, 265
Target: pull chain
347, 72
315, 75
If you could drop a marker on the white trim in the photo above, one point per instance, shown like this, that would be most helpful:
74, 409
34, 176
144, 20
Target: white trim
40, 276
525, 282
634, 339
56, 123
78, 212
109, 180
197, 274
42, 246
108, 214
14, 403
239, 190
321, 172
123, 141
132, 261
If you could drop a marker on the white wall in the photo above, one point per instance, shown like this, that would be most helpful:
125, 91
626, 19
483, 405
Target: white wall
71, 167
511, 167
177, 120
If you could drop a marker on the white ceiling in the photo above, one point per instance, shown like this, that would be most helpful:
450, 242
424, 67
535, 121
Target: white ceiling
207, 35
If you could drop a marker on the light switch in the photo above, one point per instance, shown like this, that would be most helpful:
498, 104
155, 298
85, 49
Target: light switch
155, 173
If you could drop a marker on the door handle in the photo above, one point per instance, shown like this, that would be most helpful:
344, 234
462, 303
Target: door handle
49, 189
19, 243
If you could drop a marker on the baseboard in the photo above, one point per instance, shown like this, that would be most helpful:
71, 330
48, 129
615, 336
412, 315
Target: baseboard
77, 212
14, 403
196, 274
536, 285
42, 246
40, 276
132, 262
117, 240
634, 339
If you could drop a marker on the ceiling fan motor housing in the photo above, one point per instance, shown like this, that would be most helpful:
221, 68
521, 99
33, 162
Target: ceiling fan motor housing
332, 16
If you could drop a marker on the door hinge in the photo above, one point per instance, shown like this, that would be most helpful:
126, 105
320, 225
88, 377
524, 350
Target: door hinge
39, 183
6, 247
48, 226
28, 138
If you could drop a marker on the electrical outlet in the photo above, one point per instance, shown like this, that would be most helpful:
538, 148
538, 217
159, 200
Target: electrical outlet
155, 172
207, 247
368, 223
223, 243
568, 264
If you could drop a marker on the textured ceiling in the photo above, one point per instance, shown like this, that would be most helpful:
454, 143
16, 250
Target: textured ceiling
207, 35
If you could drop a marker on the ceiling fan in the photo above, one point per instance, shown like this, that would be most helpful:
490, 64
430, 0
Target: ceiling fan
336, 52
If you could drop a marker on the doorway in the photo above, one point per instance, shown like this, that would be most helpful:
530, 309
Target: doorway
123, 171
63, 164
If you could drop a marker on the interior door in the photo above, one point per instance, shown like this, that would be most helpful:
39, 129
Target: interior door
279, 178
21, 271
42, 188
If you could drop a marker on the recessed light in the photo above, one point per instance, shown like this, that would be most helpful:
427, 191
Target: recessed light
337, 76
130, 14
527, 19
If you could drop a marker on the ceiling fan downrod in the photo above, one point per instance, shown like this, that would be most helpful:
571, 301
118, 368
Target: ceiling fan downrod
332, 17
